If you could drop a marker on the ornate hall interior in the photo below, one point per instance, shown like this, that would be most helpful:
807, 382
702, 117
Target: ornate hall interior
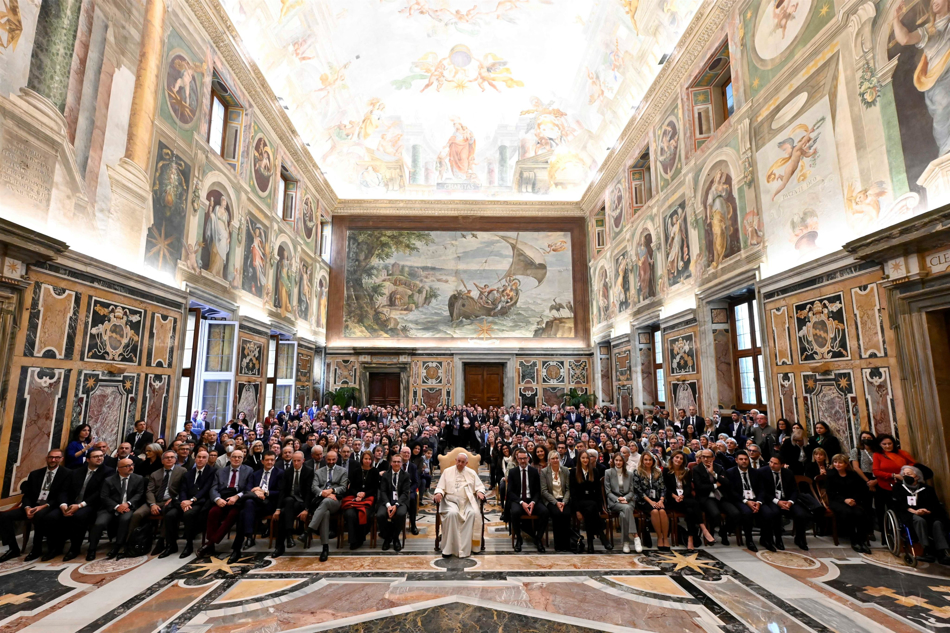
357, 315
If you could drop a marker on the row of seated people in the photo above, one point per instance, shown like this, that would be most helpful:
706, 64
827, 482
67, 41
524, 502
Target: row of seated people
702, 492
67, 505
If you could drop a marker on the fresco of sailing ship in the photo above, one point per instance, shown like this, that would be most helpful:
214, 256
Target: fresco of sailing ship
498, 285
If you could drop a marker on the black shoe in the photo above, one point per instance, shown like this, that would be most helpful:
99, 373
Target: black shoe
397, 545
278, 552
607, 545
355, 544
124, 554
751, 546
187, 551
770, 546
48, 556
926, 558
414, 530
446, 556
113, 553
780, 544
91, 555
386, 544
33, 555
518, 544
290, 542
207, 550
234, 557
541, 549
325, 554
9, 555
725, 539
159, 546
168, 551
71, 554
590, 547
943, 559
801, 544
250, 542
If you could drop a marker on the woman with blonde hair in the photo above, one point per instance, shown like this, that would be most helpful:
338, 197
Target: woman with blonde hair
650, 490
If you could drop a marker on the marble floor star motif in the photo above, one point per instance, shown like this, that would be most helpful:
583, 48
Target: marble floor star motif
216, 564
685, 562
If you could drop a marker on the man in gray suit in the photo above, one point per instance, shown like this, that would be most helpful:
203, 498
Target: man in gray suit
161, 488
329, 484
122, 494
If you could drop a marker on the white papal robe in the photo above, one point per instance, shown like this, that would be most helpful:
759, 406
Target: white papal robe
459, 508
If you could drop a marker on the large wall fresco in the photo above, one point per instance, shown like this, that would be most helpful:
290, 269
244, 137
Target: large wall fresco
459, 103
478, 285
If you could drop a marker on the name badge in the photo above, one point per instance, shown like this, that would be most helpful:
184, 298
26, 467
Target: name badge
679, 492
653, 494
912, 500
748, 495
395, 496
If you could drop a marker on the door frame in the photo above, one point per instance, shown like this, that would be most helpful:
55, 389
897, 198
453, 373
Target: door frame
508, 394
369, 378
384, 368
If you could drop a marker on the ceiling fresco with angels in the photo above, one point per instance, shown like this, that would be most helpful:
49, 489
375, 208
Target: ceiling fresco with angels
480, 99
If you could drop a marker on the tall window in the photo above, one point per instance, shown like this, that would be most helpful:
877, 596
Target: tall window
226, 123
728, 104
325, 241
281, 365
288, 195
640, 188
749, 366
658, 366
189, 359
215, 377
711, 97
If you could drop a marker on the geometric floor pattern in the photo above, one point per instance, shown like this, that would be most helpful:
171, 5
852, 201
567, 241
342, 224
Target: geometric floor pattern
717, 589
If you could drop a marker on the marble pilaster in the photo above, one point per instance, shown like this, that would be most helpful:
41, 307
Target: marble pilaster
53, 45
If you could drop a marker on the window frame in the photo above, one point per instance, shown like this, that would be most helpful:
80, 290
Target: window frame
288, 187
656, 333
233, 122
228, 376
188, 372
754, 351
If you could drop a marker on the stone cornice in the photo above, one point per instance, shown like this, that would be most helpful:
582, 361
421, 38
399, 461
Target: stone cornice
912, 235
224, 37
458, 207
709, 21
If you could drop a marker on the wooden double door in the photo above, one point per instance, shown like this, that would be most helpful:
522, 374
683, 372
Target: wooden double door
384, 389
484, 384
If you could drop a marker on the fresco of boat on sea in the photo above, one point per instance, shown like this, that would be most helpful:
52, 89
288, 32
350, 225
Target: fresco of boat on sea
471, 285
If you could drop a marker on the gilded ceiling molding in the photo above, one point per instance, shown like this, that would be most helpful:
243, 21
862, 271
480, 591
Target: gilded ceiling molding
668, 83
224, 37
517, 208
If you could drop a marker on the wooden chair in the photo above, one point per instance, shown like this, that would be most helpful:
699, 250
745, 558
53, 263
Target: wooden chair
801, 480
527, 517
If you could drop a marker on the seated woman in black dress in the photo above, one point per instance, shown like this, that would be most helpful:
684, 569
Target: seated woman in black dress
848, 498
358, 500
587, 499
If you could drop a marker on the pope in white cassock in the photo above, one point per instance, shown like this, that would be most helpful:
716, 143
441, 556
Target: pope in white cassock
458, 493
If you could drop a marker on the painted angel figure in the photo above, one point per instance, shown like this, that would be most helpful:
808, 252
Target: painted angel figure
492, 68
795, 151
596, 87
864, 206
332, 80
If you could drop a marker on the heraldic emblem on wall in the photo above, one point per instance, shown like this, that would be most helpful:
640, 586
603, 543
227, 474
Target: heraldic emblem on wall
822, 334
114, 333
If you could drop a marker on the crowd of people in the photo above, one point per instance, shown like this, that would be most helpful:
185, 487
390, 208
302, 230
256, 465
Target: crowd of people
681, 477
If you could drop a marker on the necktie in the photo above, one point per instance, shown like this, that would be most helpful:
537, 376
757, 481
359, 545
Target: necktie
82, 491
165, 483
266, 480
296, 488
745, 482
524, 485
778, 484
125, 489
48, 480
197, 475
138, 436
233, 482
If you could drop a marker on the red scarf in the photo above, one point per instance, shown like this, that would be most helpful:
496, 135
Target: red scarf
362, 507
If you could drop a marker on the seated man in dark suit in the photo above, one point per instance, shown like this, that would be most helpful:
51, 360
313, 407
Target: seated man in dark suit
78, 504
741, 504
122, 494
161, 488
40, 489
406, 453
139, 438
524, 498
392, 503
263, 497
293, 503
191, 507
228, 489
779, 493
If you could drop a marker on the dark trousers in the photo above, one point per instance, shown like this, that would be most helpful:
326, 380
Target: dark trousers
772, 520
254, 512
516, 511
390, 528
711, 510
689, 509
108, 520
289, 510
8, 521
356, 532
740, 516
561, 526
854, 520
220, 521
590, 511
60, 527
413, 508
193, 520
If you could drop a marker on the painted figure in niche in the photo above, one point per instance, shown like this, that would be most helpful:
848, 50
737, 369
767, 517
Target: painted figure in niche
216, 234
169, 187
308, 217
603, 295
283, 281
783, 170
623, 282
722, 222
678, 257
304, 290
685, 394
932, 77
263, 164
181, 87
255, 258
616, 206
321, 303
459, 152
645, 257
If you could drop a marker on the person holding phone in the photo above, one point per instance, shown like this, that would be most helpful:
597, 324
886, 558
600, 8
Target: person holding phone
79, 446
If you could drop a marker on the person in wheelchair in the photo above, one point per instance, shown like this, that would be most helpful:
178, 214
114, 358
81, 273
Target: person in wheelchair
917, 506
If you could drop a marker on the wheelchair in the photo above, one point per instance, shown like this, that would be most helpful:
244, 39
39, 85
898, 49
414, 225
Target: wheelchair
899, 539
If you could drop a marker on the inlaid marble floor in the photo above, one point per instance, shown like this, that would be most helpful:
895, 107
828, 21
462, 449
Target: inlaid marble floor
717, 589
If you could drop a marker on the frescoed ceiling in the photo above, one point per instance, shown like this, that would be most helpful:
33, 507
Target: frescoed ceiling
478, 99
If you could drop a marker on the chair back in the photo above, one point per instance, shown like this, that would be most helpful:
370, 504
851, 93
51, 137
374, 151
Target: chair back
448, 460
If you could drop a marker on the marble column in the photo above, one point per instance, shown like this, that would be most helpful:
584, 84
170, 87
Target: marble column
145, 96
78, 69
53, 45
95, 56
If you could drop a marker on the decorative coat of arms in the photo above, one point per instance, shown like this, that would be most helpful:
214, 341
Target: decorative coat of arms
822, 334
114, 333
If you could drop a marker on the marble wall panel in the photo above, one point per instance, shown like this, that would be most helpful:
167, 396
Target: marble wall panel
251, 357
829, 397
683, 395
781, 341
725, 377
788, 398
881, 411
156, 399
249, 400
104, 402
39, 414
53, 319
681, 352
869, 324
161, 341
821, 329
